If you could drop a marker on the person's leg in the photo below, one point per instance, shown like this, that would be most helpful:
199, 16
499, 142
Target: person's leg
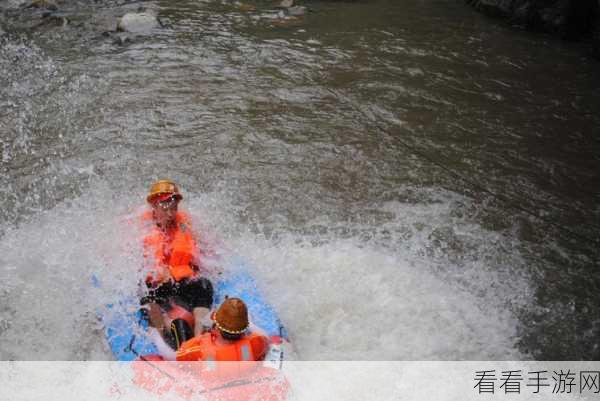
156, 317
198, 294
180, 332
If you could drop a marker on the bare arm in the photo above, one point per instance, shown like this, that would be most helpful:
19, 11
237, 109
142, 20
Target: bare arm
201, 320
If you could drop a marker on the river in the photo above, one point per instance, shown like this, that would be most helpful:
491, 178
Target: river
410, 180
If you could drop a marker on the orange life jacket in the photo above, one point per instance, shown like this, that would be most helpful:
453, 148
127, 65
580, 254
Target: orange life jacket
211, 347
175, 249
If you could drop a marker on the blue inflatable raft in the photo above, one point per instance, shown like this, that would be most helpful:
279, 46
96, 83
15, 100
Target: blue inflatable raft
127, 330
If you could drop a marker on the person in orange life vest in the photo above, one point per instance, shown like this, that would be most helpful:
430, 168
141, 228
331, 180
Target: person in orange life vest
171, 252
229, 340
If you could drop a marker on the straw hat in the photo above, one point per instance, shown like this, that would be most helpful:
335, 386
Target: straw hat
232, 316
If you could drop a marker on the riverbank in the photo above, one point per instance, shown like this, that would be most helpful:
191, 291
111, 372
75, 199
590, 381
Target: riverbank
123, 20
573, 20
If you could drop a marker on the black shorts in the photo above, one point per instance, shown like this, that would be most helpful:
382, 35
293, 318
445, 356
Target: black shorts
189, 293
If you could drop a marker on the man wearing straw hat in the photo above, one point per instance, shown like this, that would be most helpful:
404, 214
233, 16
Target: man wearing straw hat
229, 340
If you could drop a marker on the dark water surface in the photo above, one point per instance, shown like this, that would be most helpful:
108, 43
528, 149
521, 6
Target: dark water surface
412, 180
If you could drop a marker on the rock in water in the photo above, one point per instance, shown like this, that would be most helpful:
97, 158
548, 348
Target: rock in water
48, 5
56, 20
137, 23
121, 39
244, 7
496, 8
296, 11
164, 22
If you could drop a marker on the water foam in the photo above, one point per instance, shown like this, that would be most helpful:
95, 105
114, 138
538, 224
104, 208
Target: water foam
424, 285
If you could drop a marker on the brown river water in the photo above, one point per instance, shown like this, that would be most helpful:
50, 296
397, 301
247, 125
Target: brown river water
410, 179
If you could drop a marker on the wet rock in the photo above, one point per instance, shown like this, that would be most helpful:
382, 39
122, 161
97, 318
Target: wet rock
121, 39
286, 21
495, 8
244, 7
286, 3
164, 22
57, 20
582, 18
102, 23
537, 17
46, 4
137, 23
572, 19
296, 11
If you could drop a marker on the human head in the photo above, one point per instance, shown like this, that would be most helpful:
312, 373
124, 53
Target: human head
232, 318
164, 198
161, 189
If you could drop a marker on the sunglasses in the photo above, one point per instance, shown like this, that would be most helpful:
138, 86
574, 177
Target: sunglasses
168, 203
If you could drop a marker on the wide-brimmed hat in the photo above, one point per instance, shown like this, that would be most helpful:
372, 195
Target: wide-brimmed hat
232, 316
162, 190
